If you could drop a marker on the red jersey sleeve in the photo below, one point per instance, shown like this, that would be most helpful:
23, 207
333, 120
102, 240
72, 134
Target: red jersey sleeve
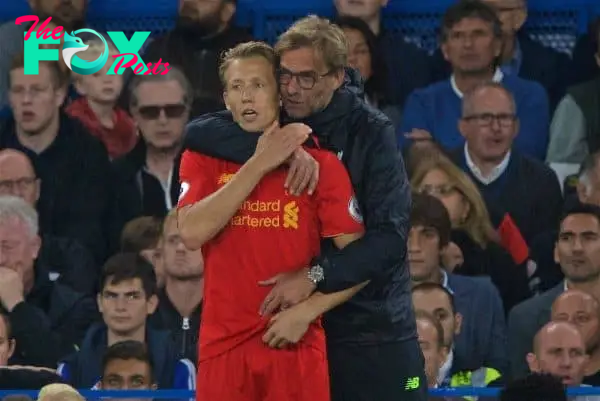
337, 207
197, 178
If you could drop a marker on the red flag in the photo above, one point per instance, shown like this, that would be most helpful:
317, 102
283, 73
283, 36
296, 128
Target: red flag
512, 240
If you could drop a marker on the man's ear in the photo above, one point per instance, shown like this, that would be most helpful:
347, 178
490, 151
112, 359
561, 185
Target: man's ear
152, 304
458, 320
225, 101
533, 363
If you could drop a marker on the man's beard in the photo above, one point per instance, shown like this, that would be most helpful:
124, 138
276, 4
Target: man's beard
199, 28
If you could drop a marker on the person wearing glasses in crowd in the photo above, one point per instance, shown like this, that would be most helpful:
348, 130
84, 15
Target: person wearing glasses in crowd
148, 176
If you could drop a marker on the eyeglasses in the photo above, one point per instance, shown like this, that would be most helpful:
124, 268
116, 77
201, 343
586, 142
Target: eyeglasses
21, 184
305, 79
486, 119
152, 112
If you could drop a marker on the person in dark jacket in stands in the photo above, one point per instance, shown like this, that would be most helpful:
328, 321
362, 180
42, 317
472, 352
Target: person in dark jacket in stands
127, 297
203, 31
575, 128
19, 377
147, 177
511, 183
180, 305
68, 261
38, 308
379, 321
72, 165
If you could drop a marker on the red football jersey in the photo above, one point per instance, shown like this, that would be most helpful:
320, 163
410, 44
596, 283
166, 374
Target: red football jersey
272, 232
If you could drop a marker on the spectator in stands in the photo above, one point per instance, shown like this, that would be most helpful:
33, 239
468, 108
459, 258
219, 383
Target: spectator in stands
575, 128
127, 365
583, 311
68, 261
472, 42
204, 30
54, 392
72, 165
481, 253
126, 298
577, 249
482, 337
408, 67
514, 185
180, 301
148, 177
19, 377
143, 235
37, 307
69, 14
364, 55
558, 349
431, 339
583, 66
535, 387
522, 56
97, 108
455, 370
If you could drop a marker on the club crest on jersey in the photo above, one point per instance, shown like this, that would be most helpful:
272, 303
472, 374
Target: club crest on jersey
185, 187
354, 210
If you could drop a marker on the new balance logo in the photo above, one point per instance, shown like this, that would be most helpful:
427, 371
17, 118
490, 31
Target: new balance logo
290, 215
412, 384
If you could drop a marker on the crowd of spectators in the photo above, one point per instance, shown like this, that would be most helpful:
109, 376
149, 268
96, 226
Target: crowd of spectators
500, 136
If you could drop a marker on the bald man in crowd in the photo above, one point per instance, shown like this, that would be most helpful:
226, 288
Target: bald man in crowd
559, 349
583, 311
65, 258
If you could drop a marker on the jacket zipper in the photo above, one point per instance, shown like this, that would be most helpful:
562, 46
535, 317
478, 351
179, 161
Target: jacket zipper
185, 326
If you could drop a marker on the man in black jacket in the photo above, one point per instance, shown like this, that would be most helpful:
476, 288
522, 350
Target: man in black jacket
373, 335
48, 319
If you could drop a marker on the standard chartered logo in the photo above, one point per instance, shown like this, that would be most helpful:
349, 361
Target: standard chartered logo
263, 214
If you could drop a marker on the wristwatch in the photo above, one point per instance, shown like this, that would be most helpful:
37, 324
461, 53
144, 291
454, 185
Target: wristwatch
316, 274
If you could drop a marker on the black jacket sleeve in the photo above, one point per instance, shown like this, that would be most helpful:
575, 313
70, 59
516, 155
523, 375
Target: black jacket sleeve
41, 341
386, 211
217, 135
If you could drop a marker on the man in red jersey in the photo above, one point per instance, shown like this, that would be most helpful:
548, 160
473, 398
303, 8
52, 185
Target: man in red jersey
251, 229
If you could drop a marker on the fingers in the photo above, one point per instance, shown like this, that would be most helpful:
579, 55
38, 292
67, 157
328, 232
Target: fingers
291, 174
271, 281
314, 179
271, 303
300, 180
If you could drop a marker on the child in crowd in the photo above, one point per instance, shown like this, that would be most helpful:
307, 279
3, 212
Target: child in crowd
97, 107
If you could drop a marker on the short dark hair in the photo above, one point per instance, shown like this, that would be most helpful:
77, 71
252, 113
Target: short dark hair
470, 9
580, 208
534, 387
128, 266
126, 350
428, 287
428, 211
423, 315
60, 79
141, 233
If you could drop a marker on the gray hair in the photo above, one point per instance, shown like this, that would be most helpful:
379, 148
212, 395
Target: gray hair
174, 74
588, 167
467, 103
14, 207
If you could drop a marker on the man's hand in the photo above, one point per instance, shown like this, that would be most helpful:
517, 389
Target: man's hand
289, 289
11, 288
288, 327
418, 135
303, 173
276, 144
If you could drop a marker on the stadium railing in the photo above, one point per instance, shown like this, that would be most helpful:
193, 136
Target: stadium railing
185, 394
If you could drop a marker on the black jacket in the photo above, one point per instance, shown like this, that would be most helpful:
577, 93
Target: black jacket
50, 323
83, 369
365, 140
75, 193
69, 263
138, 193
184, 330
